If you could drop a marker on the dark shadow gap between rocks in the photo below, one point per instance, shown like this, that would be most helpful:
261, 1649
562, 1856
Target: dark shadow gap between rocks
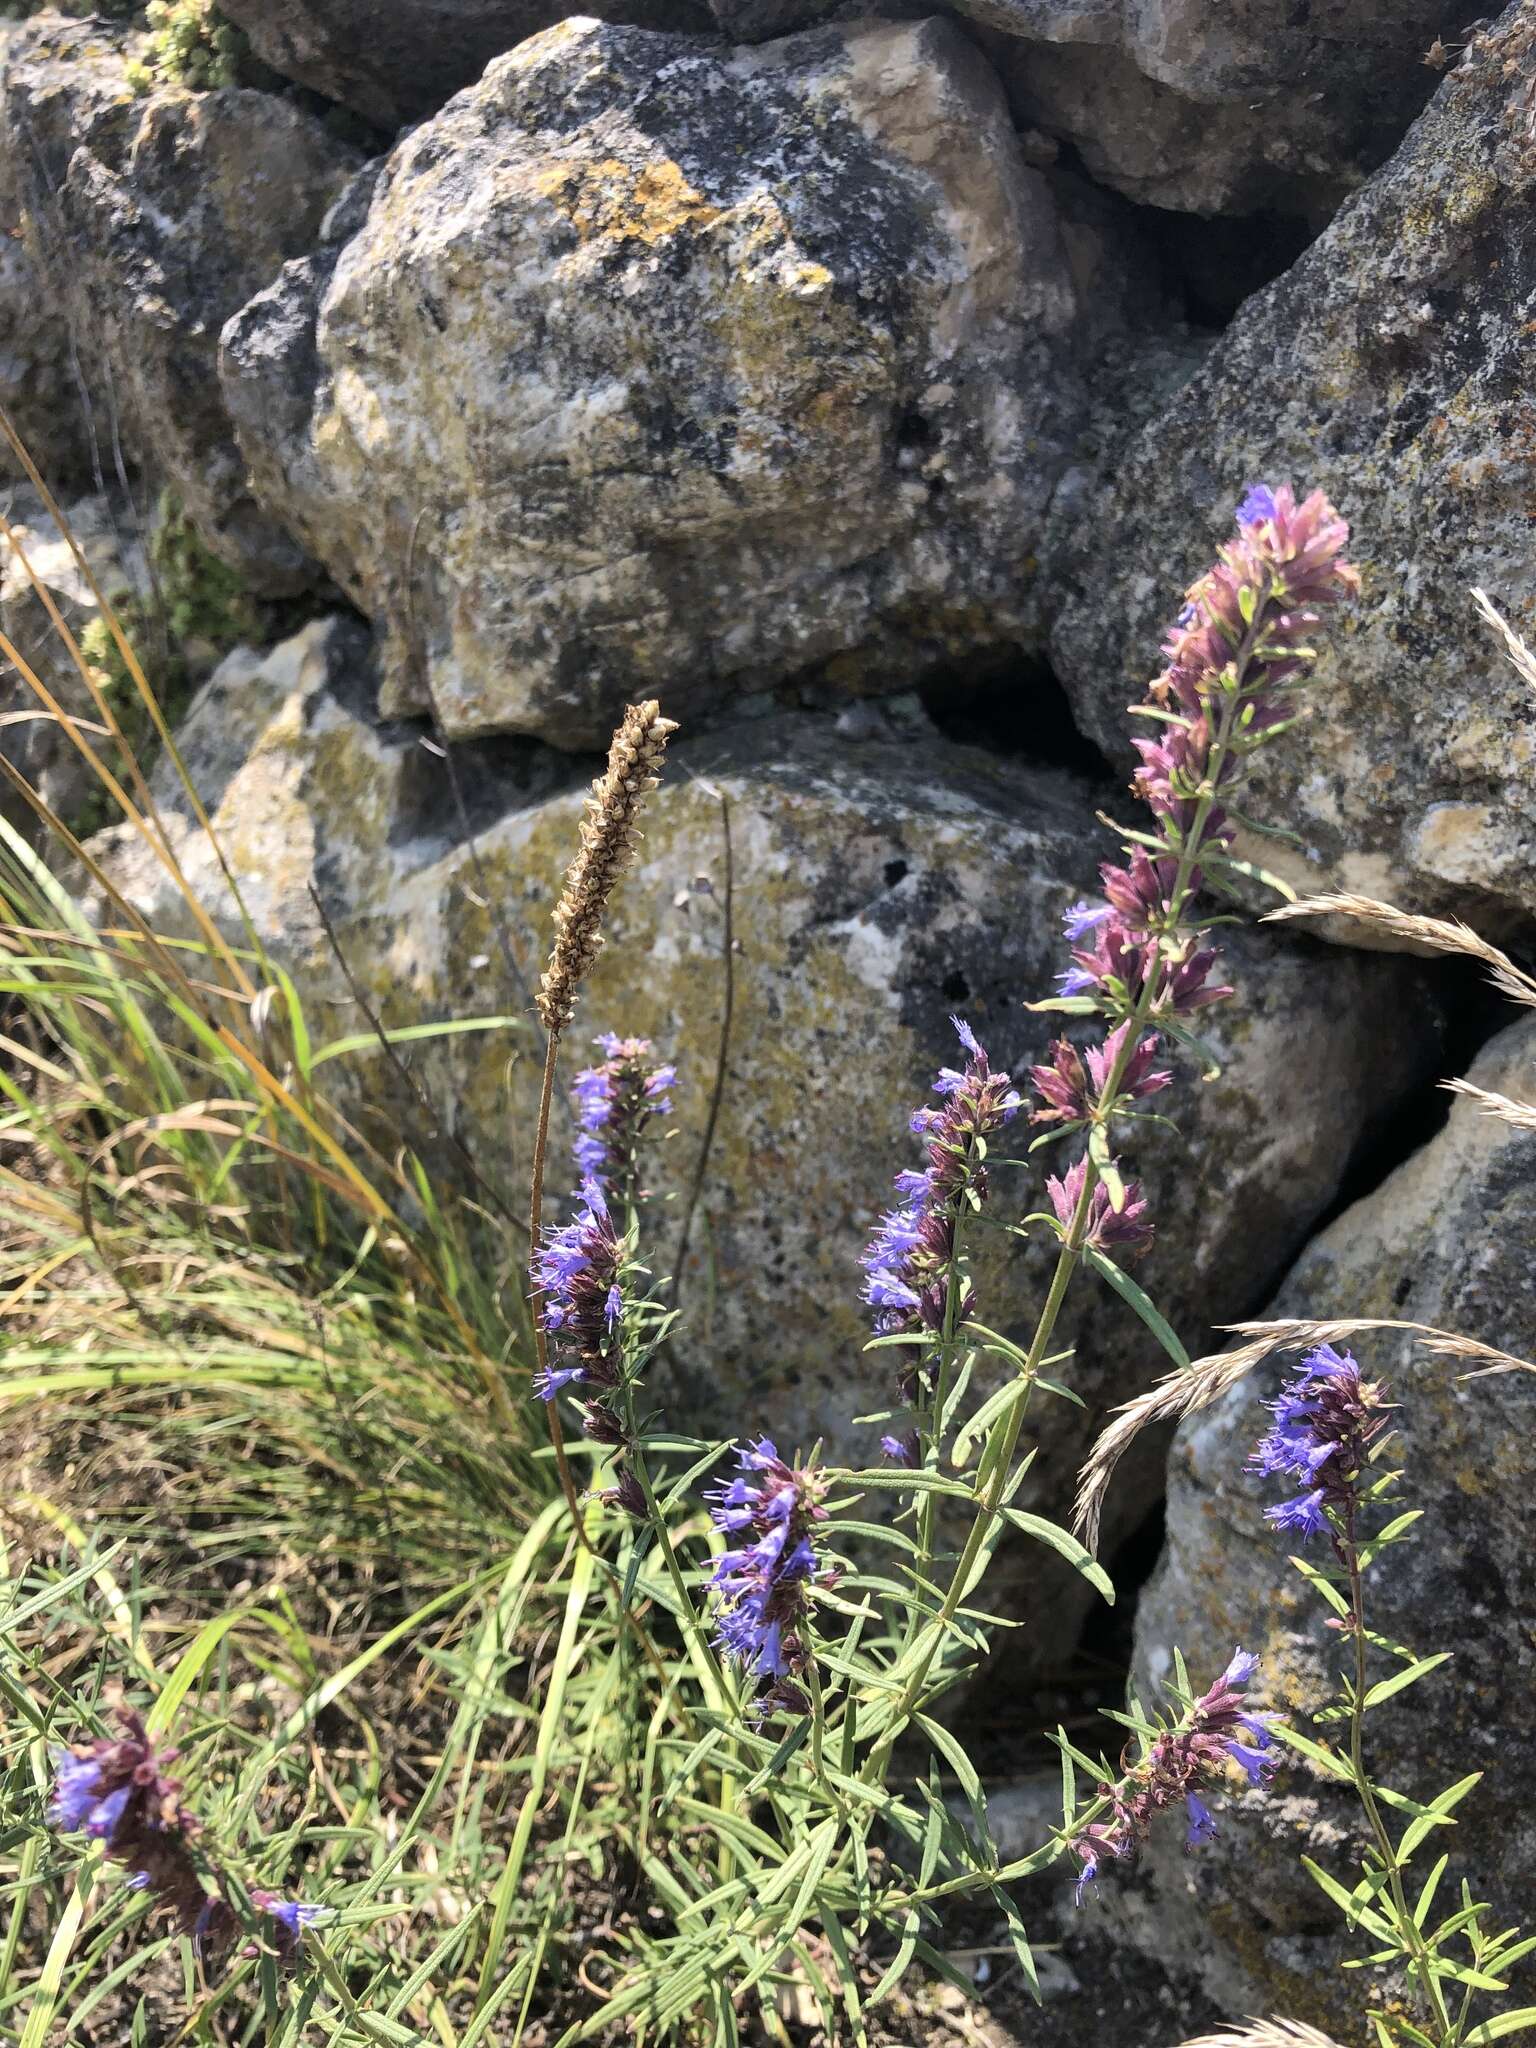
1011, 703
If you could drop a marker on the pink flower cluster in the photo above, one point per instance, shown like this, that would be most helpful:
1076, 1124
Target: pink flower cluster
1234, 661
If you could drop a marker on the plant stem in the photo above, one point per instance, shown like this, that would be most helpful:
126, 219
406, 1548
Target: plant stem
540, 1339
1429, 1988
1002, 1441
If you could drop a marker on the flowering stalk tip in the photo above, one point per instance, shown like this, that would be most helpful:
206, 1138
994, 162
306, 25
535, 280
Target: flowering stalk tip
762, 1588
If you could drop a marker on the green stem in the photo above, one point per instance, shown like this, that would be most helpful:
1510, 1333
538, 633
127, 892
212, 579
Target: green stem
1002, 1442
1429, 1986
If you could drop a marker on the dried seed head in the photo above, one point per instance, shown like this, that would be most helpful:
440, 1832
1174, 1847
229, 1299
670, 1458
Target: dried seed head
607, 846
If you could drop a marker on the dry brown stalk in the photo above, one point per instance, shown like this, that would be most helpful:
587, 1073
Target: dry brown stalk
1437, 935
607, 847
1197, 1385
1270, 2033
1521, 658
1521, 1114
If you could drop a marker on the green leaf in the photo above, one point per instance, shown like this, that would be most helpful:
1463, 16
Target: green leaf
1515, 2022
1136, 1298
1321, 1584
1401, 1680
1437, 1814
896, 1969
1065, 1545
1335, 1766
1020, 1939
1354, 1909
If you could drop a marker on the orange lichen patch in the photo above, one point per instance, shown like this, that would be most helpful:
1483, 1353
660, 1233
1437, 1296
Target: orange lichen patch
613, 200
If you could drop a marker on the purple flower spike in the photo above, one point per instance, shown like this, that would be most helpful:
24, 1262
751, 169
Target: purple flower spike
909, 1259
1326, 1420
615, 1103
762, 1587
117, 1792
1182, 1763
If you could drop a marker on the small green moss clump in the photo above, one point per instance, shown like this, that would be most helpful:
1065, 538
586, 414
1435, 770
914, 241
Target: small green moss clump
192, 45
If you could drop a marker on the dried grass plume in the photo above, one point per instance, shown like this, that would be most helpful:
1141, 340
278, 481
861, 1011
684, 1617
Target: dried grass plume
1270, 2033
1197, 1385
607, 847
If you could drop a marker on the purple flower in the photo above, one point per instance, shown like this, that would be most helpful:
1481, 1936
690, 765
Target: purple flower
117, 1792
576, 1270
904, 1449
1326, 1420
1126, 1229
909, 1262
1258, 505
1181, 1763
1080, 918
1304, 1516
1240, 647
289, 1919
1202, 1822
761, 1587
615, 1103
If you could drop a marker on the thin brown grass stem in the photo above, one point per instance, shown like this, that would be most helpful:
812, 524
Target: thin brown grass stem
151, 704
540, 1337
722, 1057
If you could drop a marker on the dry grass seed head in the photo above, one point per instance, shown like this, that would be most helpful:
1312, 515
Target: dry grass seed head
607, 848
1270, 2033
1197, 1385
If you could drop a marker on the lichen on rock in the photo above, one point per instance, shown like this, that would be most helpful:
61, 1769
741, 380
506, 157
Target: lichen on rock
656, 363
1392, 367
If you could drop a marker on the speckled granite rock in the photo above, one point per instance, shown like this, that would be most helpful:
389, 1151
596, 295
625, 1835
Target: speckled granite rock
1445, 1240
1221, 106
1393, 367
656, 363
883, 883
148, 221
399, 62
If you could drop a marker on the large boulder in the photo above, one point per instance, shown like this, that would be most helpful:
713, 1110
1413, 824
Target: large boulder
882, 884
1222, 106
148, 221
658, 364
1393, 367
398, 63
1446, 1241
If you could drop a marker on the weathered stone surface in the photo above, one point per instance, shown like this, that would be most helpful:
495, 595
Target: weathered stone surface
399, 63
1445, 1240
881, 885
1218, 106
149, 221
661, 364
106, 535
1392, 367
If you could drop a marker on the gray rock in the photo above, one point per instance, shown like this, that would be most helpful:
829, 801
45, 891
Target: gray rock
882, 885
32, 739
1445, 1240
1221, 106
1392, 367
399, 62
659, 364
149, 221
